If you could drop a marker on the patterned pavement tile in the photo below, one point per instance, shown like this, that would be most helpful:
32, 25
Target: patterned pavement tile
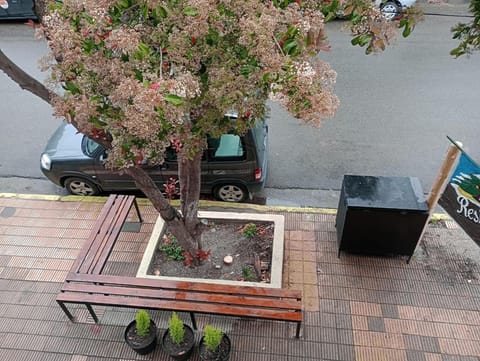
355, 307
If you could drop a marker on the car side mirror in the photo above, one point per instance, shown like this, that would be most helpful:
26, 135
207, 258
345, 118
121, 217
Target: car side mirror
103, 156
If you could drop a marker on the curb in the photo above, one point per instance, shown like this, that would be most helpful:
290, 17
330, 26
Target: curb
203, 203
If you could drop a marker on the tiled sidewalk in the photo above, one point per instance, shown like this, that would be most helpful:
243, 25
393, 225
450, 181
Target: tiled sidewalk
356, 307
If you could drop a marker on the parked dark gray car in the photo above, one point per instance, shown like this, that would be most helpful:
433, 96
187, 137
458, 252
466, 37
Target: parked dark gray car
18, 9
233, 167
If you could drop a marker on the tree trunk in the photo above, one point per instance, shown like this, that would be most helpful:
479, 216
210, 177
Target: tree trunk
24, 80
185, 226
29, 83
189, 173
175, 221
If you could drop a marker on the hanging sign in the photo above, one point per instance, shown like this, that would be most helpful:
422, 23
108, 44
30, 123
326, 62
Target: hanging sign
461, 197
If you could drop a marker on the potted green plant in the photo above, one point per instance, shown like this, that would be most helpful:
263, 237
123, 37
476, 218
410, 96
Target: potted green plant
178, 339
215, 345
141, 334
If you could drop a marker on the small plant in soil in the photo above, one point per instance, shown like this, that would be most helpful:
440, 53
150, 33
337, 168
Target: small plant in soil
250, 230
141, 334
212, 338
178, 340
172, 249
142, 323
176, 329
248, 274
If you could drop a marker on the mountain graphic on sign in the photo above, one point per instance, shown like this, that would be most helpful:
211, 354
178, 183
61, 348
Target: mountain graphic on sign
468, 186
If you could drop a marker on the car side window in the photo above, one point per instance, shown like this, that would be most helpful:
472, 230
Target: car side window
90, 147
227, 147
170, 155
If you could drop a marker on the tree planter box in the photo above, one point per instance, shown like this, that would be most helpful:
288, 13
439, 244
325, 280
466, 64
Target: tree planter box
277, 251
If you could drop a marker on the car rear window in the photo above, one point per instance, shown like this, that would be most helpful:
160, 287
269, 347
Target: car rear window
227, 147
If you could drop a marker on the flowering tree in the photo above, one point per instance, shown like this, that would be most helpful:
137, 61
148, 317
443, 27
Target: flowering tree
139, 76
468, 33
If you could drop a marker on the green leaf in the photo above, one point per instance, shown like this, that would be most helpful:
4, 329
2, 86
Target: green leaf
190, 11
144, 48
330, 16
364, 39
71, 87
161, 10
145, 11
173, 99
88, 45
290, 46
292, 31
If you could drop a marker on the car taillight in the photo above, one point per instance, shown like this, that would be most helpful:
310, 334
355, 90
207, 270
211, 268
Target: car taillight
258, 174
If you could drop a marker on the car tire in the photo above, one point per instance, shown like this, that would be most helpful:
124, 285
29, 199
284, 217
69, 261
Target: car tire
230, 193
390, 10
81, 187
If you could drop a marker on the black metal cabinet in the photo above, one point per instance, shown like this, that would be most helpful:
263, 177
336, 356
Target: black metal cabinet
380, 215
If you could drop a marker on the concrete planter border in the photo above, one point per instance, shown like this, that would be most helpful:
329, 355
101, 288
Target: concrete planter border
277, 252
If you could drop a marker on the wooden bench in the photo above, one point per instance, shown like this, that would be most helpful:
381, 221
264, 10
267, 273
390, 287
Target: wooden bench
192, 297
99, 245
86, 285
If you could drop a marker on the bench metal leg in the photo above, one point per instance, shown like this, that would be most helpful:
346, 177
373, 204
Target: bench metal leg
67, 312
92, 313
194, 322
138, 210
297, 334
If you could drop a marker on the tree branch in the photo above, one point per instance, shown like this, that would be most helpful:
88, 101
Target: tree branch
24, 80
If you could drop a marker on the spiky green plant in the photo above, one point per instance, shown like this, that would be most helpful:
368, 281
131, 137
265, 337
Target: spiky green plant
212, 337
250, 230
176, 329
248, 274
142, 323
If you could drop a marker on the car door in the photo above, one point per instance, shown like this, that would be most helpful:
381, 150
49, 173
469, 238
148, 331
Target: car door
169, 169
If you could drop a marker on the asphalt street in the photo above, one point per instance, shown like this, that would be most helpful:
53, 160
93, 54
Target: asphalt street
396, 110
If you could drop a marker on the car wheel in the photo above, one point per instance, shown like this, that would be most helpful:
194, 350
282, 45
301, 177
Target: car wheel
81, 187
230, 193
389, 10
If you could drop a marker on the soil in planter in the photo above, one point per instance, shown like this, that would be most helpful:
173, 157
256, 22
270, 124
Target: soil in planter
140, 342
249, 244
222, 353
182, 349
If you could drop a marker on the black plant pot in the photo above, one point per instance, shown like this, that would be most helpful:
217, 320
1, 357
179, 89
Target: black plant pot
222, 354
180, 352
142, 345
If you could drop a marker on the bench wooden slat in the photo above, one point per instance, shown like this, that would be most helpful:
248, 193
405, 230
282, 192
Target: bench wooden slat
186, 285
96, 229
179, 305
99, 245
106, 248
165, 294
